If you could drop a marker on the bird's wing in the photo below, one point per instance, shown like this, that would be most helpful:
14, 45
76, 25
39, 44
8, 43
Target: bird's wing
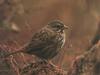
40, 40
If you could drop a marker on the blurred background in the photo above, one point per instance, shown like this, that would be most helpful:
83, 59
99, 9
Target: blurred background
20, 19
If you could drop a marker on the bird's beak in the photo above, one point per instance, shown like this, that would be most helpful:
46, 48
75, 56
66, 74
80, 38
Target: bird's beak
66, 27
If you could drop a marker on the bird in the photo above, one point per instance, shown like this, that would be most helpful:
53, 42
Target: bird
47, 42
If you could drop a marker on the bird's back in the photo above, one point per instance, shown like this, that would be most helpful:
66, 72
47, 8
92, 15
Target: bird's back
46, 43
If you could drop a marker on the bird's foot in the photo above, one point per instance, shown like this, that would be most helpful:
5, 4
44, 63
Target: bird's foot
53, 67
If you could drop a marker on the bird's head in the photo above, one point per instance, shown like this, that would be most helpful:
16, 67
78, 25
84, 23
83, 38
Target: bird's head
57, 26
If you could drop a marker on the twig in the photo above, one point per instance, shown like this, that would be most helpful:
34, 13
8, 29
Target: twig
85, 64
41, 68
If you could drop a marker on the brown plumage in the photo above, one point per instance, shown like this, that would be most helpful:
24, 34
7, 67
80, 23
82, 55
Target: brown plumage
47, 42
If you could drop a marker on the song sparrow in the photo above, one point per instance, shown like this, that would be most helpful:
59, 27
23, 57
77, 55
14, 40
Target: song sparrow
47, 42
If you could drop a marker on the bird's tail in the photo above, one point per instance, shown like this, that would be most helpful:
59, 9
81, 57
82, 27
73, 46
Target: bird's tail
12, 53
22, 49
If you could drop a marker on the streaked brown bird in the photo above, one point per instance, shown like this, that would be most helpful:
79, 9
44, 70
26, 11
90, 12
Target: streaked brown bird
47, 42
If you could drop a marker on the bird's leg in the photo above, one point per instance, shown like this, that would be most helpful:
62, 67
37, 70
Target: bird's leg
55, 68
51, 64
